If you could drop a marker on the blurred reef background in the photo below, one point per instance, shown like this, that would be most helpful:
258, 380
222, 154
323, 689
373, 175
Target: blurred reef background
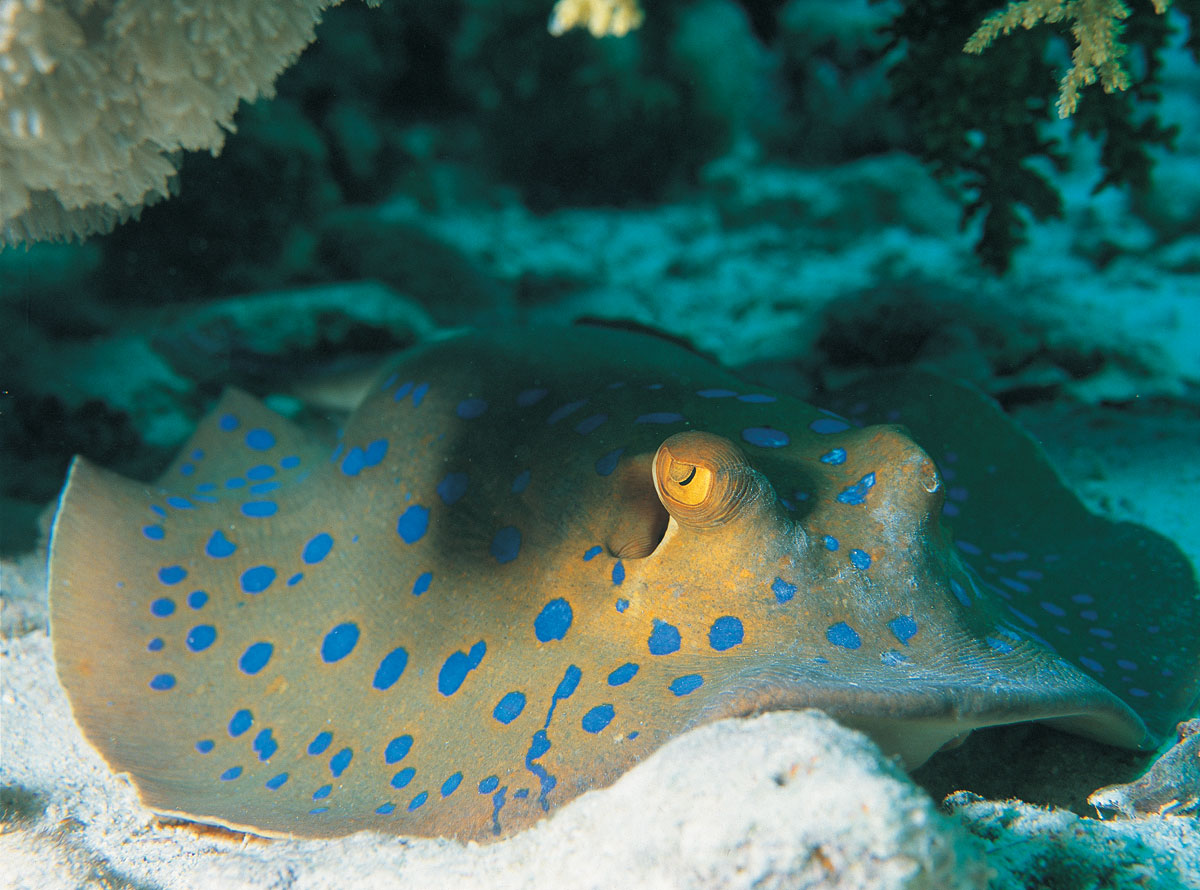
805, 190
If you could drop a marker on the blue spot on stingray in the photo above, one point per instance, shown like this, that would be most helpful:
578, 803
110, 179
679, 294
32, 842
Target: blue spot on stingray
664, 638
961, 595
488, 785
172, 574
204, 746
339, 642
783, 590
229, 422
265, 745
201, 637
510, 707
892, 658
241, 721
834, 456
390, 668
322, 792
255, 658
179, 503
592, 553
860, 559
162, 607
154, 532
451, 784
1000, 646
316, 811
295, 579
385, 809
259, 509
319, 743
422, 583
757, 398
686, 684
403, 777
353, 462
618, 573
528, 397
413, 523
765, 436
521, 482
230, 774
260, 472
455, 669
1091, 664
903, 627
623, 674
506, 544
317, 548
597, 718
235, 482
590, 424
419, 392
158, 511
397, 749
219, 546
418, 801
715, 393
826, 425
831, 543
403, 390
162, 682
659, 417
257, 579
469, 409
842, 634
260, 440
725, 633
608, 462
453, 487
1053, 609
564, 410
340, 761
197, 598
857, 493
553, 621
155, 645
375, 453
565, 689
290, 462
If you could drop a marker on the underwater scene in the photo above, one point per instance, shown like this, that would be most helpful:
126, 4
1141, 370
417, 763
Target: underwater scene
714, 443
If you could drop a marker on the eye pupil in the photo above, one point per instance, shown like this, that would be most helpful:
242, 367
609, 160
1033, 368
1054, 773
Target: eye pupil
690, 476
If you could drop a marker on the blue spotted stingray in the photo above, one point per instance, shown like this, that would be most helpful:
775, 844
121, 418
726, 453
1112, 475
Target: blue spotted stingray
531, 558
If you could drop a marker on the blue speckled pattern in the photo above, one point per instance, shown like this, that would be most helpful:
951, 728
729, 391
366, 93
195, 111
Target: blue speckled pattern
531, 558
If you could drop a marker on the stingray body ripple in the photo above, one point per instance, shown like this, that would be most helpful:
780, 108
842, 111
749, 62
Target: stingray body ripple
533, 557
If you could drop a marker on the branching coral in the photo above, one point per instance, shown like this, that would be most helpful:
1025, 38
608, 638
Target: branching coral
1096, 27
602, 18
96, 97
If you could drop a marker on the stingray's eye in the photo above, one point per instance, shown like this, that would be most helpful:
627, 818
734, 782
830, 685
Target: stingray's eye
703, 479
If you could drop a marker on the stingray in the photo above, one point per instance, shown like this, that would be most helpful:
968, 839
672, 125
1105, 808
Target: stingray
532, 557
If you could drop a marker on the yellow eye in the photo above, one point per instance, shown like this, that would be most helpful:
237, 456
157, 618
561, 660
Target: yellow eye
702, 479
687, 483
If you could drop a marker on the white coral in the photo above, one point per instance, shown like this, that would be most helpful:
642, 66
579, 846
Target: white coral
96, 96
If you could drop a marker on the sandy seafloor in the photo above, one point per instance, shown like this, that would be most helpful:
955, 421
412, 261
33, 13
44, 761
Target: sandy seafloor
1092, 342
